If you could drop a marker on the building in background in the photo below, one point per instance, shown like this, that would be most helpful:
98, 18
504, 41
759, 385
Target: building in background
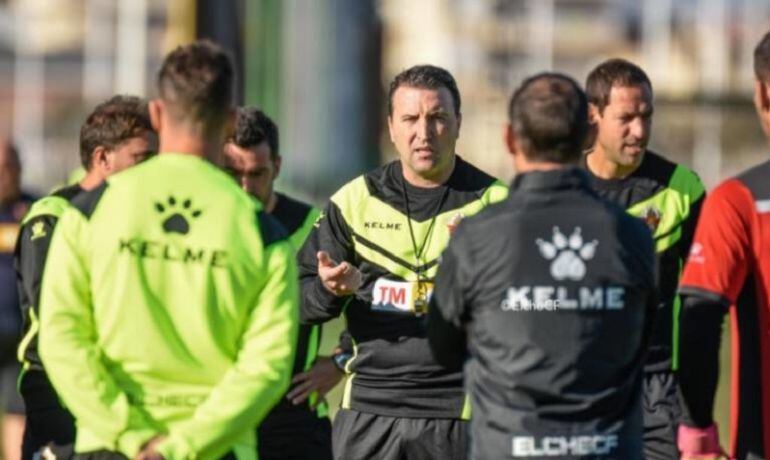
320, 68
697, 52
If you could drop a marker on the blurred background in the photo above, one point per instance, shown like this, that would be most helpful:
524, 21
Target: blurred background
321, 69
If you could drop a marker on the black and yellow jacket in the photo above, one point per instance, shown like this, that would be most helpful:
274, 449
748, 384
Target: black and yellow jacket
297, 219
29, 260
668, 197
394, 233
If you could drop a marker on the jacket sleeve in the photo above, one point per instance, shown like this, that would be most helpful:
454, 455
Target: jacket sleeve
69, 349
260, 374
712, 279
331, 234
31, 253
645, 263
448, 307
698, 373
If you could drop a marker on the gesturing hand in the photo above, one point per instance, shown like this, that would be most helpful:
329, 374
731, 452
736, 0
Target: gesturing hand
454, 222
339, 279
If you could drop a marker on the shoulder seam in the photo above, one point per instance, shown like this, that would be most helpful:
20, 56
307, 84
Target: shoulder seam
47, 206
86, 203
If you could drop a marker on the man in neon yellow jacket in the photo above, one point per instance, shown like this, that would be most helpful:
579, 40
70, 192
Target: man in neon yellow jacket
169, 302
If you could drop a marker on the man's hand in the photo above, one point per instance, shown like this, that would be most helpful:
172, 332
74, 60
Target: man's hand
148, 452
454, 222
321, 378
339, 279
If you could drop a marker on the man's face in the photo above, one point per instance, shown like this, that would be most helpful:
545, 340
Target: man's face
130, 152
623, 130
424, 128
10, 175
253, 168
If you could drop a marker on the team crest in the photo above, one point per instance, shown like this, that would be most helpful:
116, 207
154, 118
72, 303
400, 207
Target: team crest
38, 231
652, 217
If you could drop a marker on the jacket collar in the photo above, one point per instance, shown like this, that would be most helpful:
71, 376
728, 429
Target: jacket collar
569, 177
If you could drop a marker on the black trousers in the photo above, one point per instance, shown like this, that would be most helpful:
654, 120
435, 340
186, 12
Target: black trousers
661, 415
307, 437
47, 420
362, 436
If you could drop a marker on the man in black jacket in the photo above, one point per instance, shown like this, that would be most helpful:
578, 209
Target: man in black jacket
553, 290
372, 256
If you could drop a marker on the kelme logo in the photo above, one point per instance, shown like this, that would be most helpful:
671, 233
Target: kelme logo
177, 216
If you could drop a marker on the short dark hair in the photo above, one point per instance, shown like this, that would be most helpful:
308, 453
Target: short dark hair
613, 72
252, 127
196, 83
762, 59
113, 122
549, 114
425, 77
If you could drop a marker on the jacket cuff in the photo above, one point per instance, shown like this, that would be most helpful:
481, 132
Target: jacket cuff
131, 442
699, 441
176, 447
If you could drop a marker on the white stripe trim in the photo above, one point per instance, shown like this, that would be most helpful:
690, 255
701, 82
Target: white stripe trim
763, 206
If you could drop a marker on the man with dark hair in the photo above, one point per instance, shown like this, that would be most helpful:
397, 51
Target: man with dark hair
668, 198
108, 133
253, 159
298, 427
14, 203
555, 309
169, 301
729, 270
373, 257
425, 76
115, 136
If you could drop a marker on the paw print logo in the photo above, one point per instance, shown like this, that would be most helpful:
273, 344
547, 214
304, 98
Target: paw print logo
568, 254
177, 216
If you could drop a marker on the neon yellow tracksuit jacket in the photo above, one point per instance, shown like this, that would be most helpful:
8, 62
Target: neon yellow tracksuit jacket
169, 306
